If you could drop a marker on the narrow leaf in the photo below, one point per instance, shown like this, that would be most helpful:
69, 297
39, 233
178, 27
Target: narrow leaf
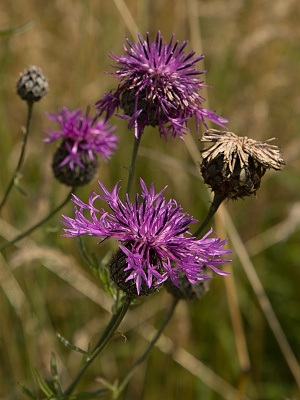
70, 345
18, 29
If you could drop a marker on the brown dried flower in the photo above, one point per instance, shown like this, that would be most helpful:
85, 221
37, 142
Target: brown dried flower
233, 166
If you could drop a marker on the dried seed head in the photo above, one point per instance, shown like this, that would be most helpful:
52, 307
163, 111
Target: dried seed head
233, 166
32, 85
76, 174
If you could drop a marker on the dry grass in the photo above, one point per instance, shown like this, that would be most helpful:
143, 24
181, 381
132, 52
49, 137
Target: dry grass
240, 339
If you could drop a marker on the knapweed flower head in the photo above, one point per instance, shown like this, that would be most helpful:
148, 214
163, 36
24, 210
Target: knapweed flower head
82, 139
159, 86
153, 235
32, 85
233, 166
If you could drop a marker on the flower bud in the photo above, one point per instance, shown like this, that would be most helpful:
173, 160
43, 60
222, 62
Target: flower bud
187, 291
32, 85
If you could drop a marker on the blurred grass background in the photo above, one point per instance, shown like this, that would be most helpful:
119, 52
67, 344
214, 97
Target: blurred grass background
252, 53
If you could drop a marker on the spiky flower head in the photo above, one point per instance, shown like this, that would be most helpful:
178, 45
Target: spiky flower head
233, 166
153, 235
32, 85
159, 86
82, 139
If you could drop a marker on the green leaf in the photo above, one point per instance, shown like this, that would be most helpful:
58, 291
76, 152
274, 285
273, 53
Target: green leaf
42, 383
18, 29
70, 345
54, 375
27, 392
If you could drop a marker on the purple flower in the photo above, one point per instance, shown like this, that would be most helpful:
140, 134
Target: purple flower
82, 135
159, 86
153, 235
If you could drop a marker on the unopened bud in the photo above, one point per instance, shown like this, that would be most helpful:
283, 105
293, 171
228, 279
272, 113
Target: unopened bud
32, 85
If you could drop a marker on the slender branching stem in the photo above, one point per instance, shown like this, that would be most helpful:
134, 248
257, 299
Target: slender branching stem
217, 200
21, 158
102, 343
38, 224
143, 357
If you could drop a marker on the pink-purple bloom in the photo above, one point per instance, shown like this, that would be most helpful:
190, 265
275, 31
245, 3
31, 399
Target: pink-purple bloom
82, 134
159, 86
152, 232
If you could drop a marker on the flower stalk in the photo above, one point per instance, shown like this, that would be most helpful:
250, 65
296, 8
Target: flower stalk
217, 201
131, 169
21, 158
28, 231
143, 357
102, 343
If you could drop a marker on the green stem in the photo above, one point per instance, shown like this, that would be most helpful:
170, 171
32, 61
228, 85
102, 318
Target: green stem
102, 343
142, 358
211, 212
21, 158
132, 165
37, 225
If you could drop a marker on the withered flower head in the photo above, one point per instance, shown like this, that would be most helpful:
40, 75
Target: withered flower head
233, 166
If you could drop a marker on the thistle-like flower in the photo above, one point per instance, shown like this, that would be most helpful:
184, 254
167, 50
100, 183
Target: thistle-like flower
159, 86
75, 161
153, 236
233, 166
